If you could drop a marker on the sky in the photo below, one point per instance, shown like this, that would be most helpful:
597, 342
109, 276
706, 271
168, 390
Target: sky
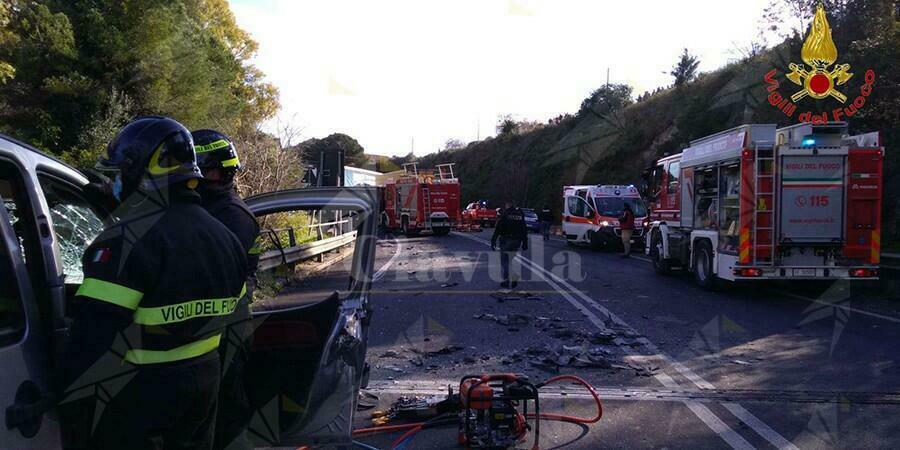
405, 75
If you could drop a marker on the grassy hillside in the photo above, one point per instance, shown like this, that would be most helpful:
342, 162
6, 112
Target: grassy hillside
531, 168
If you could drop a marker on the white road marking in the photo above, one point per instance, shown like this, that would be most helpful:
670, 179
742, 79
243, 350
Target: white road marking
808, 299
711, 420
713, 423
765, 431
380, 273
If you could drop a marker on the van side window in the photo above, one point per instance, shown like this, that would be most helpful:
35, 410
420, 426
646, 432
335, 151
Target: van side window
75, 225
674, 169
12, 316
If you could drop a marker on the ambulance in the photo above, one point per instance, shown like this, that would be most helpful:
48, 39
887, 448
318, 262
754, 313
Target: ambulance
591, 215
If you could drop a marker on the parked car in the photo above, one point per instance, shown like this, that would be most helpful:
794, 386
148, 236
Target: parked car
308, 357
532, 222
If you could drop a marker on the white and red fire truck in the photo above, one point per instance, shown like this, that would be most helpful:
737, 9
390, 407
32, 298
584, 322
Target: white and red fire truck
417, 202
591, 214
756, 202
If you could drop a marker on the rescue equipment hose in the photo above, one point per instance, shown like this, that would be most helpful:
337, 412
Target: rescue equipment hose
412, 429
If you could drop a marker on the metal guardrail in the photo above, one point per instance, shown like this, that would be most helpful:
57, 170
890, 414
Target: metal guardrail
274, 258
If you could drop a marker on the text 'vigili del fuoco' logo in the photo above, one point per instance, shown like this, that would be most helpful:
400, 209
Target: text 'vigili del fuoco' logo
819, 78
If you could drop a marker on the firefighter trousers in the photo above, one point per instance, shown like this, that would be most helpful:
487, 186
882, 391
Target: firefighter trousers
167, 407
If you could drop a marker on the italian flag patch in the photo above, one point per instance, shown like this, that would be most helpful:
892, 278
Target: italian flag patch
102, 255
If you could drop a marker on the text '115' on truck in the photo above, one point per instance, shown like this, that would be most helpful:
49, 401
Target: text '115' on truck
756, 202
426, 201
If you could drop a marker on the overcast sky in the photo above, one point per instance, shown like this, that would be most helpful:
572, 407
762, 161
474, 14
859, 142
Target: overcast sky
388, 72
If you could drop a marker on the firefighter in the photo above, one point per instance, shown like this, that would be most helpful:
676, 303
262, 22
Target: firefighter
512, 234
157, 284
219, 162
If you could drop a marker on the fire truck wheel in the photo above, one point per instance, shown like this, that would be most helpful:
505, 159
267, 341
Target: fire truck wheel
660, 264
703, 265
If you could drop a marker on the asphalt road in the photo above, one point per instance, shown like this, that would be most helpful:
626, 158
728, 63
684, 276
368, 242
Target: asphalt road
748, 366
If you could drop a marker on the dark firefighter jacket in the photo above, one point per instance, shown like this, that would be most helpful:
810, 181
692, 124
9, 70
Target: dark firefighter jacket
157, 286
230, 209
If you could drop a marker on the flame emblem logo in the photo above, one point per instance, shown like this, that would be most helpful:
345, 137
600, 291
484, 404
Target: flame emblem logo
819, 53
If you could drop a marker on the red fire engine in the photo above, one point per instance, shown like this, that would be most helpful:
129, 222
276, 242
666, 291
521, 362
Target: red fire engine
754, 202
422, 202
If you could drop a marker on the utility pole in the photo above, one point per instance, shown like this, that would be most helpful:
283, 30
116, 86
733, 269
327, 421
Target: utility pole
412, 145
477, 129
607, 76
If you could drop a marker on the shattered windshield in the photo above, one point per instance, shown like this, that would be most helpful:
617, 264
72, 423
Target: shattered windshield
615, 206
75, 225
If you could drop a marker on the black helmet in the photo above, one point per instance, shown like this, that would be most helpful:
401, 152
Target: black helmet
215, 150
150, 153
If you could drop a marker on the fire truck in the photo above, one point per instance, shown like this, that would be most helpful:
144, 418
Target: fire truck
591, 214
478, 213
755, 202
417, 202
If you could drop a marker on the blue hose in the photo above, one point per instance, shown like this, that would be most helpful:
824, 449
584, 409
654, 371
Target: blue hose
363, 445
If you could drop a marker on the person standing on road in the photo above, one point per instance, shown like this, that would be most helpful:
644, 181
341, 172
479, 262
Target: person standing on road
513, 235
156, 283
626, 225
546, 221
218, 161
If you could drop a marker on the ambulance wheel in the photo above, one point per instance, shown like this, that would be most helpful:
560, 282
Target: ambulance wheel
597, 242
703, 265
660, 264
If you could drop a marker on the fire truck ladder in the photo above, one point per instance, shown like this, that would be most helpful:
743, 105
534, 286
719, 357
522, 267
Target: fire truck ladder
764, 203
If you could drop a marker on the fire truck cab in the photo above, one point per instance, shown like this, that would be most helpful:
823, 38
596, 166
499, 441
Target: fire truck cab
591, 214
755, 202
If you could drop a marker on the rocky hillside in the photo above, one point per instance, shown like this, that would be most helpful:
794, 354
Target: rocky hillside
530, 168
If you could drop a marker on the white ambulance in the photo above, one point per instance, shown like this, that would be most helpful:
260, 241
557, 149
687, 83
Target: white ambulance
591, 214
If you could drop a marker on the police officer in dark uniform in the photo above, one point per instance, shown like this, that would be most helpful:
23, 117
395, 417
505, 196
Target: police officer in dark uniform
157, 285
513, 234
219, 162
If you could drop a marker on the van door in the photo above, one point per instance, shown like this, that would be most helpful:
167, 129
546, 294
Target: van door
577, 218
25, 354
307, 361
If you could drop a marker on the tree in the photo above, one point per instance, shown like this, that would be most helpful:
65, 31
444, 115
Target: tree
686, 68
354, 153
7, 39
84, 68
506, 125
271, 167
453, 144
606, 99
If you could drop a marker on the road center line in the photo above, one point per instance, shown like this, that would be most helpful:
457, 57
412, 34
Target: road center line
380, 273
703, 413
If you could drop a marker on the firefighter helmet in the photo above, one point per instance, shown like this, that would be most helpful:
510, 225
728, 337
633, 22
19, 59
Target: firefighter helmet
151, 153
215, 150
